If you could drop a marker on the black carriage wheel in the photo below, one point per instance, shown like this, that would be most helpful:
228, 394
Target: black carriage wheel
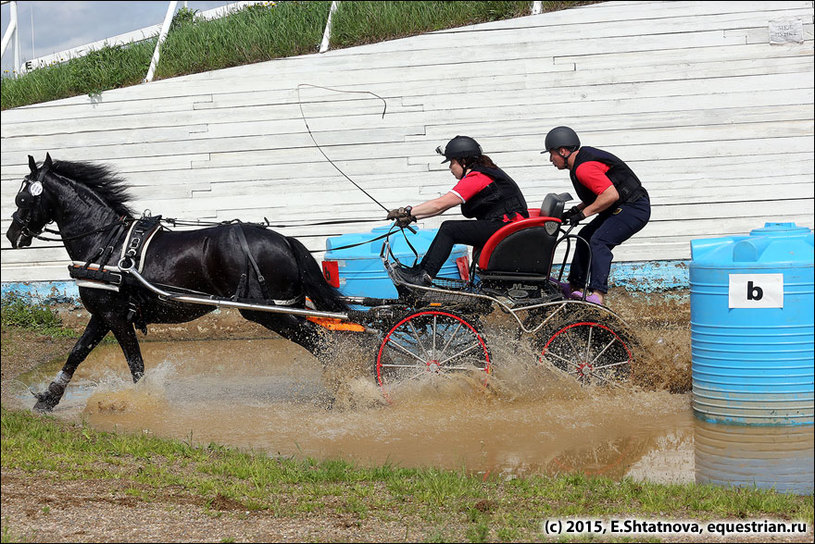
431, 341
591, 352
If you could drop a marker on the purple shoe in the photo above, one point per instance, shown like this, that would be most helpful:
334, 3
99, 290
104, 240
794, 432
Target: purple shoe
564, 287
594, 298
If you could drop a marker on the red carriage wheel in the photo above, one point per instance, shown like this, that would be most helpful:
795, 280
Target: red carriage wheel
591, 352
430, 342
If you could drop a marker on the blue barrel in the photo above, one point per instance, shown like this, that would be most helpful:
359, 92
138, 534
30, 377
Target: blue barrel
776, 457
752, 327
360, 271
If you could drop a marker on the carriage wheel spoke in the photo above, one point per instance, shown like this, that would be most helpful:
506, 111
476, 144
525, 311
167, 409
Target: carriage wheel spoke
419, 372
400, 347
551, 353
422, 371
473, 367
601, 352
575, 350
588, 345
609, 365
449, 340
433, 337
418, 338
397, 365
459, 354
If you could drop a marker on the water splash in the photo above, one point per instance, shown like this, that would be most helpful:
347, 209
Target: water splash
269, 394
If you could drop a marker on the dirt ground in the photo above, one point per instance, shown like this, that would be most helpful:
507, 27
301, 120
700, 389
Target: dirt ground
36, 510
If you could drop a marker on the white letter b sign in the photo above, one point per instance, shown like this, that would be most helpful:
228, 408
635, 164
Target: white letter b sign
756, 290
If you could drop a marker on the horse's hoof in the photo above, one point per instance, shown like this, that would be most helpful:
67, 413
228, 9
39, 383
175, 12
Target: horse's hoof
48, 399
45, 403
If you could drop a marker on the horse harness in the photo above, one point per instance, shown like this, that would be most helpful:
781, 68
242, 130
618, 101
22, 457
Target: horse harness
98, 273
243, 284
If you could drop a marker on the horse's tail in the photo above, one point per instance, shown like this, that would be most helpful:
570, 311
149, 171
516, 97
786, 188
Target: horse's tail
324, 296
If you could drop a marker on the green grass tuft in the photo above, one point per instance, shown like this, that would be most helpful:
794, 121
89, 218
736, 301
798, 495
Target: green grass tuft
22, 312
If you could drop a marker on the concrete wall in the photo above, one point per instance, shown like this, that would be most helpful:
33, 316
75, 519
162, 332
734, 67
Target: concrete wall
716, 121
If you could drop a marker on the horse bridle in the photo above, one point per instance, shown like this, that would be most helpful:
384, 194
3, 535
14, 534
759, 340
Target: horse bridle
35, 190
27, 198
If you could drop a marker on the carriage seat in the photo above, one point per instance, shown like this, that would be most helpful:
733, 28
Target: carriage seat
526, 246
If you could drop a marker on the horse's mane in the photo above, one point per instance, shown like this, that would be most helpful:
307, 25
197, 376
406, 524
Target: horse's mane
103, 180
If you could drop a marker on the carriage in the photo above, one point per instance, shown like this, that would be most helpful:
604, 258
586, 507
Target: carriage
273, 280
438, 329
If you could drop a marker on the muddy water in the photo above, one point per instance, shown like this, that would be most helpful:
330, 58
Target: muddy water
270, 395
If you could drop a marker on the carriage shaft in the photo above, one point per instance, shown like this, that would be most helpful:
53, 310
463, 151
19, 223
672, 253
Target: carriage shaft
227, 303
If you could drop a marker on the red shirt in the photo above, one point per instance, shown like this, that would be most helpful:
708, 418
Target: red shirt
592, 174
470, 185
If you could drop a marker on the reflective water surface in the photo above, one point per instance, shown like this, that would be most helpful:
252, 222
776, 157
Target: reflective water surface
779, 457
270, 395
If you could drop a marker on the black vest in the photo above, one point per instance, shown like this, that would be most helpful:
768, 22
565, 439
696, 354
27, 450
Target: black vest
622, 177
499, 198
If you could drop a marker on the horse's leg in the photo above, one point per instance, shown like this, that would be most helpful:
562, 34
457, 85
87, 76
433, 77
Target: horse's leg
95, 331
126, 336
290, 327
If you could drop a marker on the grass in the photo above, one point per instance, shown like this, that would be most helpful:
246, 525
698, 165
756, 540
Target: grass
102, 70
257, 33
357, 23
22, 312
436, 505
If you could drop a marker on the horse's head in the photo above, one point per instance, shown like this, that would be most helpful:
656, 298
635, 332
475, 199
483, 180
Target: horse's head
33, 208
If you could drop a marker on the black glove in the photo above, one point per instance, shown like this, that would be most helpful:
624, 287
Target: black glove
403, 222
573, 216
403, 216
397, 213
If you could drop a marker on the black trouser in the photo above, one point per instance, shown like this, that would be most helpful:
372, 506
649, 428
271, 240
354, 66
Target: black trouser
472, 233
604, 233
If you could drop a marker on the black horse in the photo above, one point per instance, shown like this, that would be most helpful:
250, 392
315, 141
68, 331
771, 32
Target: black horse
89, 204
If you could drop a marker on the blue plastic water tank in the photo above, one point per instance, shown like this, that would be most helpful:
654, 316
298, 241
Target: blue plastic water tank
752, 327
776, 457
360, 268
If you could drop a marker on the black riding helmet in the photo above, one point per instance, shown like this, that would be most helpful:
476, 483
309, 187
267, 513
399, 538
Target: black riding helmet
561, 137
460, 147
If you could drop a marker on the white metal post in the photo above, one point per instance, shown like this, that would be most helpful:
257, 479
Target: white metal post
537, 7
327, 33
31, 18
165, 28
12, 27
11, 32
16, 40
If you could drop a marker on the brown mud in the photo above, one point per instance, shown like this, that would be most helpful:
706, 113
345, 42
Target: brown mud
226, 380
